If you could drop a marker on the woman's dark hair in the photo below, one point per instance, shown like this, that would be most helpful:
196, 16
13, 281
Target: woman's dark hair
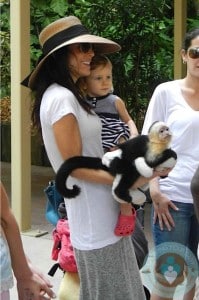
190, 35
54, 70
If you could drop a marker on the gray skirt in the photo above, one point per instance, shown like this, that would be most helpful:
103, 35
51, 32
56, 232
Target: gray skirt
110, 273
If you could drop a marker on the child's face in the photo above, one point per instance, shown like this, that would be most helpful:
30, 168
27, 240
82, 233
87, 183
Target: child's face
99, 82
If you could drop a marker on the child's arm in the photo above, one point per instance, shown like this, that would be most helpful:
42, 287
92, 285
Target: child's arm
132, 128
29, 282
125, 117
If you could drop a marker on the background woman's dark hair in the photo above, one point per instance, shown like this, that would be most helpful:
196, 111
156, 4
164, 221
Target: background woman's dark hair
192, 34
54, 70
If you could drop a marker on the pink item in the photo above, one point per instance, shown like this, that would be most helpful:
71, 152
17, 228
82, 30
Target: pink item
125, 224
62, 249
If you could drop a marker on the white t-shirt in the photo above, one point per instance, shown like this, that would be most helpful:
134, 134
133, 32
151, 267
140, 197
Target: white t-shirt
167, 104
93, 214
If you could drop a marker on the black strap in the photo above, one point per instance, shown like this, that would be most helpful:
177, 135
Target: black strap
53, 269
63, 36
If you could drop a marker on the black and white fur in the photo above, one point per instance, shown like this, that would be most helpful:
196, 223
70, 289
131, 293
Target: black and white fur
134, 158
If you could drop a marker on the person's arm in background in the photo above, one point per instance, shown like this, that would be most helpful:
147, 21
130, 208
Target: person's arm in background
195, 192
125, 117
31, 283
156, 111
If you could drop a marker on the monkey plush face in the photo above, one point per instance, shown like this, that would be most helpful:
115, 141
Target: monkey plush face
159, 137
159, 132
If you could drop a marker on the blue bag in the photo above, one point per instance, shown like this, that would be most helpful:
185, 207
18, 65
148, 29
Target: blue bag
54, 199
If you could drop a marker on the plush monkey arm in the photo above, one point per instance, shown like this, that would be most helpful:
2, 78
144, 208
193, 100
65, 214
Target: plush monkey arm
169, 163
109, 156
142, 167
137, 195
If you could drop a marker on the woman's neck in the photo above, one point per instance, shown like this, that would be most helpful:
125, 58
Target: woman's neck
192, 83
190, 91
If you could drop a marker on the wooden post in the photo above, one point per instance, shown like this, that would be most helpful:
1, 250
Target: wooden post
180, 18
20, 113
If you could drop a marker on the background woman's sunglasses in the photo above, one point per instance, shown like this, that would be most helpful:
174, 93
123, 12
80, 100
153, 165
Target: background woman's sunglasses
86, 47
194, 52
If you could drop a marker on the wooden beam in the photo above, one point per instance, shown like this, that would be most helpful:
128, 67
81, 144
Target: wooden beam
180, 20
20, 111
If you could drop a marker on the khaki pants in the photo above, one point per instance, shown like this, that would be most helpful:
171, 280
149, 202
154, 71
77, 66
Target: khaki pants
69, 287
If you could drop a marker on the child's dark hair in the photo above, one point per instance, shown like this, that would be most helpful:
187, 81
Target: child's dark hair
190, 35
99, 60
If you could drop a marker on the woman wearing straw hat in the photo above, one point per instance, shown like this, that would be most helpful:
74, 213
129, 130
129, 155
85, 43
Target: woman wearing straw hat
106, 263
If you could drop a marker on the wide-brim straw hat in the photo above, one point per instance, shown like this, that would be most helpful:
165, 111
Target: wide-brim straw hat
63, 32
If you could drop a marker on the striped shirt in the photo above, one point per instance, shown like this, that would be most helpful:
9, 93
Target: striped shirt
112, 127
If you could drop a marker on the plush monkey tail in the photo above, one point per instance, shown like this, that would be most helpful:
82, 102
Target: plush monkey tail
60, 181
68, 166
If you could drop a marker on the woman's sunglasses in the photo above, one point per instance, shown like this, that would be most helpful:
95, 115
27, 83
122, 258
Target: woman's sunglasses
86, 47
193, 52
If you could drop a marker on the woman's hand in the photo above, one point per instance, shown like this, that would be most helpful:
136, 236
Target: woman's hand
161, 204
161, 173
144, 180
162, 213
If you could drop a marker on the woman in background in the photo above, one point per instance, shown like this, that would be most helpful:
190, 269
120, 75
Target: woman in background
177, 103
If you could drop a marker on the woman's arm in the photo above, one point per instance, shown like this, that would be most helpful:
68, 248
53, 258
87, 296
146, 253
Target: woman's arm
68, 140
29, 282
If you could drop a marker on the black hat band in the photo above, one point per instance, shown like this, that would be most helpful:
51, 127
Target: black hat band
60, 37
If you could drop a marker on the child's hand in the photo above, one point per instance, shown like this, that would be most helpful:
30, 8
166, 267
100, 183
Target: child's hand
35, 287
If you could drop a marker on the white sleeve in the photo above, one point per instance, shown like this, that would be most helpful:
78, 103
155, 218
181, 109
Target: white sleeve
156, 110
62, 107
56, 103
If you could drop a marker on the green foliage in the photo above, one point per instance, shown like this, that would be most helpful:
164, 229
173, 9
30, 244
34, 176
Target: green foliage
144, 29
146, 36
5, 49
43, 13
